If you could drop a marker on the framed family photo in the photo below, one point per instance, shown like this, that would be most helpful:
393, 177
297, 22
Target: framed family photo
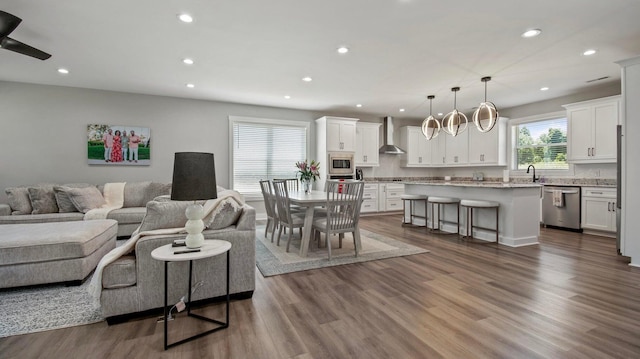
118, 145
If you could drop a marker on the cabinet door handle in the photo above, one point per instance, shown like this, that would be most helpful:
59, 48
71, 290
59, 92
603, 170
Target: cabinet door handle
608, 206
589, 151
613, 206
593, 151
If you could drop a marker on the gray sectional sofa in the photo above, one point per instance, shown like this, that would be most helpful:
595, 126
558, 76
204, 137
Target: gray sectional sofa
135, 282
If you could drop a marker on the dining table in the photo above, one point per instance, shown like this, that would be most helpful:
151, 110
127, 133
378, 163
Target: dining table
309, 200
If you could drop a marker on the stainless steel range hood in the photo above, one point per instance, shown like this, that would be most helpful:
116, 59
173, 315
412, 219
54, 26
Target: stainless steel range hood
389, 147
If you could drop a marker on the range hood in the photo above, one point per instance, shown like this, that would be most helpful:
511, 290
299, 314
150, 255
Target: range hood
389, 147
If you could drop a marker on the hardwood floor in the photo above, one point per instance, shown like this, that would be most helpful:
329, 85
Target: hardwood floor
569, 297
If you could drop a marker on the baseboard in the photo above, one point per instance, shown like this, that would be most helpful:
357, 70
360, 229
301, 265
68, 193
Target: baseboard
117, 319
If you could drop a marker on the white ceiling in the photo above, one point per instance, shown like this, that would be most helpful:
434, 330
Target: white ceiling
257, 51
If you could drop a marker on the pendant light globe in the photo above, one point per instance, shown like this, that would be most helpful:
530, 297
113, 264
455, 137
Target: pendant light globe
486, 115
455, 122
430, 126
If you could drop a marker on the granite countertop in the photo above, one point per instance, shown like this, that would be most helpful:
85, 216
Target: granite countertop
481, 184
579, 185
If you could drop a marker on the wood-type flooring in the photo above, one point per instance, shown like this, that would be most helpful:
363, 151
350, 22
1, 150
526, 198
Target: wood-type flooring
571, 296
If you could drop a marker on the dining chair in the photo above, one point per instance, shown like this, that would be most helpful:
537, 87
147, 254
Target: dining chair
344, 200
270, 207
286, 216
292, 183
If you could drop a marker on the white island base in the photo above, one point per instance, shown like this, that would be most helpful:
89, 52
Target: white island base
519, 209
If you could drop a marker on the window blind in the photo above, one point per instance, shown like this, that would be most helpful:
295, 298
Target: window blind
263, 150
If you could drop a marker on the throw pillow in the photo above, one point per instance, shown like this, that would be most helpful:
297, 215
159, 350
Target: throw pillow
43, 200
165, 214
62, 199
225, 215
85, 199
135, 194
156, 189
19, 200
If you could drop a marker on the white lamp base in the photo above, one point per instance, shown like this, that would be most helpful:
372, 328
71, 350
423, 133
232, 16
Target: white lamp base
194, 226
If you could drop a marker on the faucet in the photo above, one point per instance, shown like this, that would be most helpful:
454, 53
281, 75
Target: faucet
534, 172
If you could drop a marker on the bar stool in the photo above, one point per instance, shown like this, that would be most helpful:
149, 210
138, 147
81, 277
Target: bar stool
441, 202
412, 198
470, 205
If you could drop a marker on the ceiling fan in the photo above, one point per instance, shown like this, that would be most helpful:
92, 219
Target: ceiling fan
8, 23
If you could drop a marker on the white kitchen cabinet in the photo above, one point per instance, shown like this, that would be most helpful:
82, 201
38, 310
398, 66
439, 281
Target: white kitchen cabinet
591, 132
367, 144
417, 148
457, 148
340, 133
389, 196
598, 209
488, 148
369, 198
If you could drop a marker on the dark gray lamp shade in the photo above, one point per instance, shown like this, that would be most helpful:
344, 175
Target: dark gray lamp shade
194, 177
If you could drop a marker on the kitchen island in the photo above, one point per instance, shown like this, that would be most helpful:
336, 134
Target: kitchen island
519, 208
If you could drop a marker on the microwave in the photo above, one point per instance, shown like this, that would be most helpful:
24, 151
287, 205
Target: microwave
341, 163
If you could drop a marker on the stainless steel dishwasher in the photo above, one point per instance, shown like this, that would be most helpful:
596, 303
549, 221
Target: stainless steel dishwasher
564, 213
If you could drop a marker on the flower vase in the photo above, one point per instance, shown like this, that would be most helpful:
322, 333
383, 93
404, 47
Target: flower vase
306, 185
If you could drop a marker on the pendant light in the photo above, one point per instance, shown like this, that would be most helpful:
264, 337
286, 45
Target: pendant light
486, 115
430, 125
455, 122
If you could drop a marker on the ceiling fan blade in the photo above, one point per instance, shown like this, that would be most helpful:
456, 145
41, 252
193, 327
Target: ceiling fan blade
16, 46
8, 23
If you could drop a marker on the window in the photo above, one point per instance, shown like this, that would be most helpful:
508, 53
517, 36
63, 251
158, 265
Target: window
542, 143
265, 149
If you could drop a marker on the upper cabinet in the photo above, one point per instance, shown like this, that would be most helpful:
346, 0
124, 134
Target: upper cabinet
457, 148
417, 149
488, 148
592, 130
339, 133
367, 144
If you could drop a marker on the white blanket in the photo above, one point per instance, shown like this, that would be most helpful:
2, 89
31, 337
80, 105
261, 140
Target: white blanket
211, 207
114, 197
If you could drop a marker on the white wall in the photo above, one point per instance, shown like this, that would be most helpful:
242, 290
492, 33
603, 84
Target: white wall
43, 132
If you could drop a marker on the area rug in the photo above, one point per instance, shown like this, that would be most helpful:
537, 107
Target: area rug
45, 307
274, 260
39, 308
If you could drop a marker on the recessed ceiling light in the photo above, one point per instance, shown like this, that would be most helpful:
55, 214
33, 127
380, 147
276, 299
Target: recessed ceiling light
343, 50
307, 79
359, 105
187, 61
63, 71
589, 52
544, 88
287, 97
440, 113
185, 18
402, 110
191, 86
531, 33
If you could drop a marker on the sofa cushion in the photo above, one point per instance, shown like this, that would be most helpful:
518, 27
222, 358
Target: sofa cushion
19, 200
168, 214
42, 218
156, 189
62, 199
127, 215
85, 199
41, 242
136, 193
43, 200
121, 273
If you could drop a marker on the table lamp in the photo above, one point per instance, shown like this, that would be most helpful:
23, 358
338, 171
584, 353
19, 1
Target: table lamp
194, 178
